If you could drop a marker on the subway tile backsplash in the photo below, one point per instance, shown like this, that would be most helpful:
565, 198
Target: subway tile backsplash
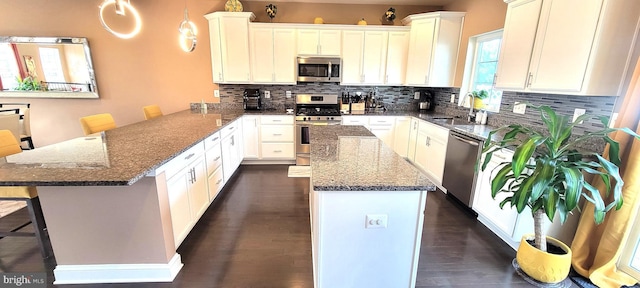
401, 98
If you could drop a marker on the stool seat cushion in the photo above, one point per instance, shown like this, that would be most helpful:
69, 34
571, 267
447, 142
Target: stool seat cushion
18, 192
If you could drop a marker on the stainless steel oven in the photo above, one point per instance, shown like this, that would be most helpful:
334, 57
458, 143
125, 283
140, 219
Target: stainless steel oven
312, 110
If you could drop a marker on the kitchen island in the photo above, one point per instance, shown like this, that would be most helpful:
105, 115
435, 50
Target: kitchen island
367, 208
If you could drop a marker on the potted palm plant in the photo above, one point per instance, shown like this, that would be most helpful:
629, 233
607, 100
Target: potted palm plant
547, 175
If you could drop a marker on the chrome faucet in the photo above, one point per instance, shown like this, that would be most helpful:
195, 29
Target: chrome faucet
471, 117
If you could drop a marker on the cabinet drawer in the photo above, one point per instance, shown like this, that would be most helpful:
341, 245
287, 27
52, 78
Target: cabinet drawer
216, 182
229, 129
212, 140
183, 160
382, 121
277, 133
355, 120
278, 150
433, 130
275, 120
214, 159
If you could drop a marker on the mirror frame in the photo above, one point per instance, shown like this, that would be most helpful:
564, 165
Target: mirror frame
57, 94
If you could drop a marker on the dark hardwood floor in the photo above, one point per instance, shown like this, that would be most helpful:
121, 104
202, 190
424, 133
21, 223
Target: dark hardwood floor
256, 234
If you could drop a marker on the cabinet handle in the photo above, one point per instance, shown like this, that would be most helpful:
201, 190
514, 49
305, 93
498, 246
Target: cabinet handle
193, 172
499, 156
277, 134
217, 158
277, 151
219, 181
276, 120
528, 84
495, 79
428, 141
426, 79
215, 139
189, 156
231, 128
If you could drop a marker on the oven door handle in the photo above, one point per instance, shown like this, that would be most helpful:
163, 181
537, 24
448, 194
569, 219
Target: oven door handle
330, 70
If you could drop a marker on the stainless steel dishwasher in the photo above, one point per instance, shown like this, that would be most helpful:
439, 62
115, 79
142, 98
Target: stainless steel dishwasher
459, 168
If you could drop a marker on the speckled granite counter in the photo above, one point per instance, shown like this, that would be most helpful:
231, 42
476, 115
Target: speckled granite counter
350, 158
132, 151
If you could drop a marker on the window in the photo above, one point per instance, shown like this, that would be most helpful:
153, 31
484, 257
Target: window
8, 67
480, 69
51, 65
630, 258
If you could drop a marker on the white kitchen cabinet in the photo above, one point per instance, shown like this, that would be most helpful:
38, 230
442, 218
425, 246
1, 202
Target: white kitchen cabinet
413, 140
251, 136
232, 149
187, 190
319, 42
273, 54
384, 128
402, 132
364, 55
431, 149
213, 156
277, 137
397, 51
433, 48
567, 47
229, 40
354, 120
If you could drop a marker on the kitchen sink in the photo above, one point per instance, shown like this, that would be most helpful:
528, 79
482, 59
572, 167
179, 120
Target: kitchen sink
454, 121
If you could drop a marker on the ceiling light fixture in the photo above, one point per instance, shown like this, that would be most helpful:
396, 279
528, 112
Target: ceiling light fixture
188, 32
121, 6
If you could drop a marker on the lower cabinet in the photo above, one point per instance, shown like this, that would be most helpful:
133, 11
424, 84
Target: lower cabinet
277, 137
402, 132
384, 128
213, 156
250, 136
413, 140
431, 148
231, 151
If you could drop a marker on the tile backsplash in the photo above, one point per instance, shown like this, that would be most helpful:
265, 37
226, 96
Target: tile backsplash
401, 98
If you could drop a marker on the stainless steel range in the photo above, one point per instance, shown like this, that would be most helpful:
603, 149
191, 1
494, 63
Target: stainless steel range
313, 109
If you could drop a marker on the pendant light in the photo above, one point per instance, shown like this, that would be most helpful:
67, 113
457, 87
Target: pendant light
121, 9
188, 32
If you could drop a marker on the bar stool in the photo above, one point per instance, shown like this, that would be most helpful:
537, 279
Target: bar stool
25, 135
151, 111
9, 145
97, 123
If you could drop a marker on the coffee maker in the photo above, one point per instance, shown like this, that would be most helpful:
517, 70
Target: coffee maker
251, 99
426, 101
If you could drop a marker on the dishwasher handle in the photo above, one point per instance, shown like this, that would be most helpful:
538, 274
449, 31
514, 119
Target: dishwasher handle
470, 142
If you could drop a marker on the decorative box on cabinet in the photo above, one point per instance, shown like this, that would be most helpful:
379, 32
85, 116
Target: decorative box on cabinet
433, 48
229, 40
568, 47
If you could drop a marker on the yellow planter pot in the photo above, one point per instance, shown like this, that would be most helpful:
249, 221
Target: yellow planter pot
543, 266
478, 104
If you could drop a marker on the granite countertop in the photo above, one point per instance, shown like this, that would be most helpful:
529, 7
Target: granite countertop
132, 151
350, 158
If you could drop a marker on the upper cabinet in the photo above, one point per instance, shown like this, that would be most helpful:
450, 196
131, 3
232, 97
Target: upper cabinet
572, 47
397, 50
433, 48
319, 42
364, 55
229, 36
273, 54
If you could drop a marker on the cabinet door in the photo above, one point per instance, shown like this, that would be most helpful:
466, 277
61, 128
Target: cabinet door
178, 190
235, 49
561, 54
517, 43
216, 50
251, 133
262, 54
284, 56
308, 41
198, 194
396, 67
353, 42
374, 57
422, 156
413, 140
420, 51
437, 151
229, 157
329, 42
485, 205
402, 131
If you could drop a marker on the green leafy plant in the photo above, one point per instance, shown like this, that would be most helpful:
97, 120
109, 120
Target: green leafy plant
546, 172
480, 94
28, 84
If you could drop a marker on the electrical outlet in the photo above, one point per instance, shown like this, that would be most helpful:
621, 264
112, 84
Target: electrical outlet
216, 93
288, 94
519, 108
577, 113
375, 221
416, 95
453, 98
267, 94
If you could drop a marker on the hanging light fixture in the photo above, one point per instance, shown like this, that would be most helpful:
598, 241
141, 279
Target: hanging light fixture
188, 32
121, 8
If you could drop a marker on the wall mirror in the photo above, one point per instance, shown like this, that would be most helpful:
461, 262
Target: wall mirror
46, 67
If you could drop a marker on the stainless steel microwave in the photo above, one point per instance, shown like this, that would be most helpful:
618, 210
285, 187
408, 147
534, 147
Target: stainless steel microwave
319, 69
